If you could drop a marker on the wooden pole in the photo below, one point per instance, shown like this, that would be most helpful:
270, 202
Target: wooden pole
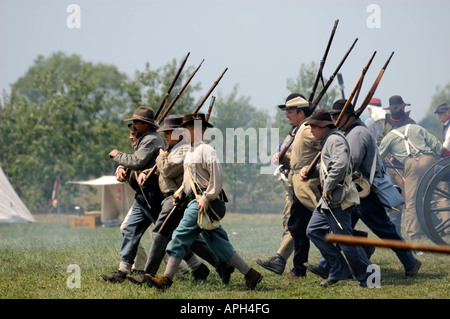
387, 243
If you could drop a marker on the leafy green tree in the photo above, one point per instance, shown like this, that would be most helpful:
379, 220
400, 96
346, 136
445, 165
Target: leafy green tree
65, 115
60, 119
239, 123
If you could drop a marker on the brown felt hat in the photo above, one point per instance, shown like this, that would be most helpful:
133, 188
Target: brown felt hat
171, 122
321, 118
190, 118
143, 114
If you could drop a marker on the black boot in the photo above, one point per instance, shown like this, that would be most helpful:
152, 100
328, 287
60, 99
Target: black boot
224, 270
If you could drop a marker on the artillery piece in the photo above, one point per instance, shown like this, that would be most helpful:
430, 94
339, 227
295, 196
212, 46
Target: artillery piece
433, 202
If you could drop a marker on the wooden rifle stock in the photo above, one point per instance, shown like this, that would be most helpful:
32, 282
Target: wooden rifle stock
179, 93
318, 98
387, 243
360, 84
355, 91
322, 62
163, 102
198, 107
211, 104
373, 88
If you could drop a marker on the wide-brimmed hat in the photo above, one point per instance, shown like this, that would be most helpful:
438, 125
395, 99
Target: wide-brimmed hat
294, 101
396, 100
143, 114
338, 106
190, 118
441, 108
171, 122
321, 118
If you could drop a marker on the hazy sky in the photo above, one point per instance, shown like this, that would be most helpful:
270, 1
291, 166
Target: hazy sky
262, 42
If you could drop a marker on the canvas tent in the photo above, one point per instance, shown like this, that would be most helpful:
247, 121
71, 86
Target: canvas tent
116, 198
12, 209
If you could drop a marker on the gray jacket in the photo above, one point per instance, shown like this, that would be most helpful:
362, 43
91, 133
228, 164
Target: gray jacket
337, 160
363, 149
147, 150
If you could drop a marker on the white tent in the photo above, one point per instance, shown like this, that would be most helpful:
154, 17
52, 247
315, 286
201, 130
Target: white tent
12, 209
117, 198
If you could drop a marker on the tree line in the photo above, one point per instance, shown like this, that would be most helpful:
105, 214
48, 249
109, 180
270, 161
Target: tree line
64, 115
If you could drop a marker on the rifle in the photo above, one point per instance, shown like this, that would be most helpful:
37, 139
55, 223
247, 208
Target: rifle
322, 62
324, 89
373, 88
174, 216
341, 114
386, 243
166, 96
213, 99
197, 108
318, 98
179, 93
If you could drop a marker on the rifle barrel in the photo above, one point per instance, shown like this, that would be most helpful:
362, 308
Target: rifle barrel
161, 105
211, 104
324, 89
198, 107
322, 62
179, 93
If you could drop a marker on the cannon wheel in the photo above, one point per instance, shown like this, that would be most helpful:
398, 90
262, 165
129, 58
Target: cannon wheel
429, 192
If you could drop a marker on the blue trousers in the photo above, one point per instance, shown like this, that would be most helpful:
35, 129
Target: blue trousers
375, 217
187, 231
141, 217
319, 226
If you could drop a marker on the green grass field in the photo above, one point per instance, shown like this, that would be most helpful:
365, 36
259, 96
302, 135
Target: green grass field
35, 260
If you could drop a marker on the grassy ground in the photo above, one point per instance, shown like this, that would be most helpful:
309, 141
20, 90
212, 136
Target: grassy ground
34, 261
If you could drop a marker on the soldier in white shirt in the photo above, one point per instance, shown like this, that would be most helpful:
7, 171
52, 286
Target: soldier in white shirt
202, 165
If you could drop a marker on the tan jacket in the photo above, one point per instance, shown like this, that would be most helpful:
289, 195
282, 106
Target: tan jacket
170, 167
304, 148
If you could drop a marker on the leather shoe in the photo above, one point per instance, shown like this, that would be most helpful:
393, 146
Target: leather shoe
414, 270
252, 278
115, 277
224, 270
162, 283
201, 273
274, 264
317, 270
